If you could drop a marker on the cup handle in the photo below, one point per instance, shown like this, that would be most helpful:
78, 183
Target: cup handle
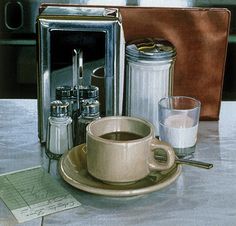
155, 165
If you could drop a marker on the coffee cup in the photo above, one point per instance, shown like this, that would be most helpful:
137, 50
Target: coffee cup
120, 149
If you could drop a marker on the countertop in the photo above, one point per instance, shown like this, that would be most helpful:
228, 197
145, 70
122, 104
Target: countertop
197, 197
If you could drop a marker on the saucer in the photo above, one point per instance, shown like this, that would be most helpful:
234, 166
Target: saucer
73, 169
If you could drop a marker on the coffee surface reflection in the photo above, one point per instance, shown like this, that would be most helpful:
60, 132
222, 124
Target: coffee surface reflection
121, 136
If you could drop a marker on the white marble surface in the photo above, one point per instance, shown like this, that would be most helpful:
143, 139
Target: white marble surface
198, 197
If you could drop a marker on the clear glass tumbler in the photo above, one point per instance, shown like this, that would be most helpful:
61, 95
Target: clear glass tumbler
178, 123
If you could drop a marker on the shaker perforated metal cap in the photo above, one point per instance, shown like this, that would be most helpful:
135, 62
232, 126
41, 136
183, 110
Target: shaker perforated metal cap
59, 108
90, 108
63, 92
87, 92
150, 49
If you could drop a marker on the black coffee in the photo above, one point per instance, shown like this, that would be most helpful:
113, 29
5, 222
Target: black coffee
121, 136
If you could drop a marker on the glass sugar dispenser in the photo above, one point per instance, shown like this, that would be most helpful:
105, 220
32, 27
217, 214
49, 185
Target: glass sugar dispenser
59, 130
149, 77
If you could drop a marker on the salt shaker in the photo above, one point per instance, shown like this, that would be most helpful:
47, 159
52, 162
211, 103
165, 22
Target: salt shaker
59, 130
89, 113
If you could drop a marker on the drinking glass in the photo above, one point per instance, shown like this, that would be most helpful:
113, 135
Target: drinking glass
178, 123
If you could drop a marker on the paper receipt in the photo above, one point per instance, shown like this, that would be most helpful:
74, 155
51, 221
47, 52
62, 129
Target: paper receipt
33, 193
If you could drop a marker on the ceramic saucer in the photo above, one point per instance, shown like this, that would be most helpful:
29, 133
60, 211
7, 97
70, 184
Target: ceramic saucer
73, 169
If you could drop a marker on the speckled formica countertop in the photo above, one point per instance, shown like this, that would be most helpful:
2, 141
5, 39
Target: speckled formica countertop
197, 197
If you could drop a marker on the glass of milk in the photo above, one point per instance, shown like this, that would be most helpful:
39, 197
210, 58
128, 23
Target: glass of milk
178, 123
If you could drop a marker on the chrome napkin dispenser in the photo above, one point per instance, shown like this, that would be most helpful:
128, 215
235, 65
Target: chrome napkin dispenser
99, 34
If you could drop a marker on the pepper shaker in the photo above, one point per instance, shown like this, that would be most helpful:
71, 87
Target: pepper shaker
90, 112
87, 93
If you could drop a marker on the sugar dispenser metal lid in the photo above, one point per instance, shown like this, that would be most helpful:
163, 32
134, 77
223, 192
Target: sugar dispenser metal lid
59, 109
150, 49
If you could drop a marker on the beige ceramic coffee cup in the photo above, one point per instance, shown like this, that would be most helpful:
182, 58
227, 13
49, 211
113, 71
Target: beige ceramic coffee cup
124, 161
